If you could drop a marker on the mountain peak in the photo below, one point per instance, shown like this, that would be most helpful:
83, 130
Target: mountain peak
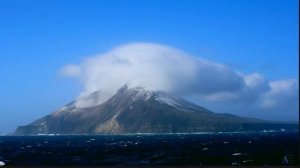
126, 88
134, 93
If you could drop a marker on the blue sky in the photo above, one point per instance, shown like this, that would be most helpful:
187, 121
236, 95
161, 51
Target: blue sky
37, 38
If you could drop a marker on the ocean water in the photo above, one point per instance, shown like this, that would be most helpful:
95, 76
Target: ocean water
256, 148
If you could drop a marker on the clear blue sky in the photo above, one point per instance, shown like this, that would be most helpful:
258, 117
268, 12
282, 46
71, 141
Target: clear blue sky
38, 37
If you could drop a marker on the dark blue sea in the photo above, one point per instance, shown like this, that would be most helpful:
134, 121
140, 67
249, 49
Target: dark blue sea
256, 148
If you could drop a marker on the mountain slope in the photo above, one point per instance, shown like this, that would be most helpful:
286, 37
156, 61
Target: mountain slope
136, 110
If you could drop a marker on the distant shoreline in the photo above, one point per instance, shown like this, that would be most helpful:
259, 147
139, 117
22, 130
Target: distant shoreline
182, 133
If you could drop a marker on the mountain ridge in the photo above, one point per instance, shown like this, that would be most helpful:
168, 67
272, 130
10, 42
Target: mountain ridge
138, 110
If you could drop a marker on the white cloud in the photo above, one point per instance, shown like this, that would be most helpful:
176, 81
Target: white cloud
158, 67
71, 70
282, 92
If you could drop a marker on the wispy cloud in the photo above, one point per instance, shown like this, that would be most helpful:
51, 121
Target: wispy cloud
70, 70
